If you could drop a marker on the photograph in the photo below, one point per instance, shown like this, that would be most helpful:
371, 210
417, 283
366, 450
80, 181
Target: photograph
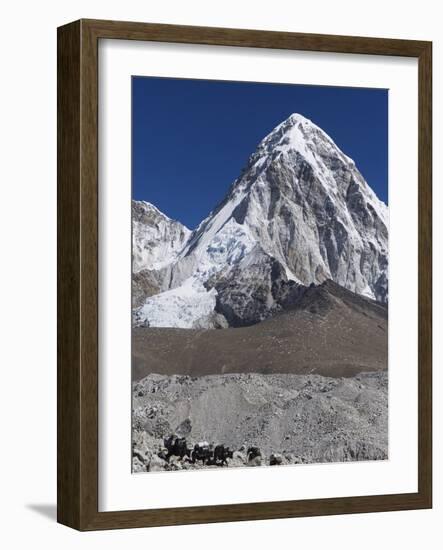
260, 270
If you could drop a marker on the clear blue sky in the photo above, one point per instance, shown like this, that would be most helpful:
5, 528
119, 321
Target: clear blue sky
191, 138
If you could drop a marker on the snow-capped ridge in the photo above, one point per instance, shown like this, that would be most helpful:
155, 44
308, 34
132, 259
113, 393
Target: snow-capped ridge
148, 206
157, 239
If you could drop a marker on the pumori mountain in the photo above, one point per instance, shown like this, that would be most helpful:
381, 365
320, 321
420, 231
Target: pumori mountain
299, 214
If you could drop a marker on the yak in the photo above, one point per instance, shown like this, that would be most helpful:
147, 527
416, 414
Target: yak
204, 452
221, 454
176, 446
253, 452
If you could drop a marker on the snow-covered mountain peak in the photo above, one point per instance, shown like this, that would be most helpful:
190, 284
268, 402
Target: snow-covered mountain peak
147, 206
157, 239
150, 209
294, 121
299, 134
299, 213
297, 142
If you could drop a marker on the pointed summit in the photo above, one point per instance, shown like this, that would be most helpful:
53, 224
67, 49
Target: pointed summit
305, 204
294, 119
300, 213
298, 133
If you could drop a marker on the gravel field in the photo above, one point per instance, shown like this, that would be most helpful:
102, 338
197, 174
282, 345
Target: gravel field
290, 418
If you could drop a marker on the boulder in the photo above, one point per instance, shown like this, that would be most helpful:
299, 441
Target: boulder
256, 461
138, 465
184, 428
156, 464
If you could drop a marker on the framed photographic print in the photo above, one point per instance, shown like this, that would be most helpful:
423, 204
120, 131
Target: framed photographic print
244, 275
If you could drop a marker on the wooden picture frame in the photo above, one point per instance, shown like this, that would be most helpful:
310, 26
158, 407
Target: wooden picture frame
78, 274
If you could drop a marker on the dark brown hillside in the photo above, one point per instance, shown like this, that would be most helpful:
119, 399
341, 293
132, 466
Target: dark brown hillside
328, 330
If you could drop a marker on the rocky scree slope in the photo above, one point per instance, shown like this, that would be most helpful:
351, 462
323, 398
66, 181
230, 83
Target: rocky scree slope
292, 419
327, 330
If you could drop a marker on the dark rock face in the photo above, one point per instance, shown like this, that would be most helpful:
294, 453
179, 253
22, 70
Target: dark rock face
145, 283
248, 297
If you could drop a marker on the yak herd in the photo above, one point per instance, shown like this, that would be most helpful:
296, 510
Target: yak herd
203, 452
